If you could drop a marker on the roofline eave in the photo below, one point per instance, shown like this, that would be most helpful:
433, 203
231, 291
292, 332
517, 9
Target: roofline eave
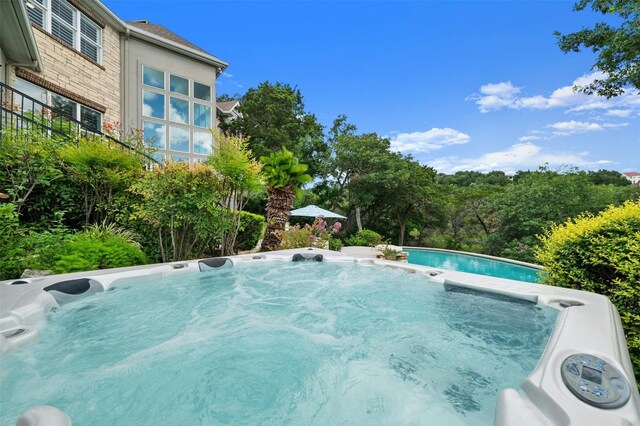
27, 34
178, 48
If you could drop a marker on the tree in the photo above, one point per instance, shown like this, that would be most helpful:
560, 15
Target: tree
284, 176
240, 175
608, 177
273, 116
539, 199
410, 191
618, 48
225, 97
358, 167
181, 202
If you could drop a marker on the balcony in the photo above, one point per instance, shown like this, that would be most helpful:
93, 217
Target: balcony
20, 112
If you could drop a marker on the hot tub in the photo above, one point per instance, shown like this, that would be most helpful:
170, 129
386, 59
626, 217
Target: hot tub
309, 337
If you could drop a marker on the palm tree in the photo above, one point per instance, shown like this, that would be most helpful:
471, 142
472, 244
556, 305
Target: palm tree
284, 176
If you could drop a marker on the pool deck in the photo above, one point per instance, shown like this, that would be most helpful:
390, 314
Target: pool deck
587, 323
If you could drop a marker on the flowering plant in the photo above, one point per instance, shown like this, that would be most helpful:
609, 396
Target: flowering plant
317, 234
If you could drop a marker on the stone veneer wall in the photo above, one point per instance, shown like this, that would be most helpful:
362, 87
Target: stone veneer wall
71, 71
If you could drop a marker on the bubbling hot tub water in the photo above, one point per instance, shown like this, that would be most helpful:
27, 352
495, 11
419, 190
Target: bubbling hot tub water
275, 343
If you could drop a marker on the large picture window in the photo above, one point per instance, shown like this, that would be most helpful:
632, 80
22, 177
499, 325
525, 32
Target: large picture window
68, 24
176, 114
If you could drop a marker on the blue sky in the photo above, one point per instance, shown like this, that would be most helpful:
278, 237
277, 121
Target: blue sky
460, 85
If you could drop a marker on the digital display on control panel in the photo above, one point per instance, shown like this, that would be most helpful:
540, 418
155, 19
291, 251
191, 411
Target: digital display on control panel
592, 375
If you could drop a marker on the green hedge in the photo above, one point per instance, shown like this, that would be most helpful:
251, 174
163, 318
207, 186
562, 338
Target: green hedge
600, 254
251, 230
365, 237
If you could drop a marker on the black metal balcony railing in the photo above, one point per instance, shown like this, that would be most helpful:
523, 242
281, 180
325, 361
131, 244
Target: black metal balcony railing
19, 111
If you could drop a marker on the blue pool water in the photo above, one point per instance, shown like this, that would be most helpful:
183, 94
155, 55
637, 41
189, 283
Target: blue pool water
277, 343
473, 264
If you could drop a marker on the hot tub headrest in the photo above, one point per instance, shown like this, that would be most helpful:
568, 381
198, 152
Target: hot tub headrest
214, 262
70, 290
299, 257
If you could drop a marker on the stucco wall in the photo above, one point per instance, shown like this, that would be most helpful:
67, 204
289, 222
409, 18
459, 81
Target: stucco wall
70, 70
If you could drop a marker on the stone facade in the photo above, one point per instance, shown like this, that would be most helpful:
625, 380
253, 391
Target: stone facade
79, 78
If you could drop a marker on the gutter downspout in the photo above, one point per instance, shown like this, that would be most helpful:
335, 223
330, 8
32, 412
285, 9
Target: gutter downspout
124, 70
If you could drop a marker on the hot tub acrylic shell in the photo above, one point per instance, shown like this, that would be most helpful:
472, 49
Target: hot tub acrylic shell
587, 323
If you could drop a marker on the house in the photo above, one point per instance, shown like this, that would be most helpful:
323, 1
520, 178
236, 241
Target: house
634, 177
77, 58
227, 111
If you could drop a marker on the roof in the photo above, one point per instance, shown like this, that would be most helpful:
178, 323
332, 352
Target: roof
315, 211
156, 33
163, 32
227, 106
16, 37
631, 174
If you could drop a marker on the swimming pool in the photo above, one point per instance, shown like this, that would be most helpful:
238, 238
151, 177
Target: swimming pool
472, 263
262, 339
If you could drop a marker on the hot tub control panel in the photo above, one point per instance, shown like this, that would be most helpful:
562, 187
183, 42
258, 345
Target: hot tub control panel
595, 381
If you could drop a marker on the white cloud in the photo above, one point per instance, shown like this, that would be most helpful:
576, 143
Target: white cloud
529, 138
572, 127
429, 140
496, 96
520, 156
227, 74
566, 128
623, 113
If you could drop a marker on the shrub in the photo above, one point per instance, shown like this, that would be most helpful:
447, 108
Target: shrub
11, 241
88, 251
600, 254
28, 165
365, 237
317, 234
250, 231
335, 244
27, 248
101, 171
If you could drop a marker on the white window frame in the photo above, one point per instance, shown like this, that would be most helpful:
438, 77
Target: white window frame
46, 8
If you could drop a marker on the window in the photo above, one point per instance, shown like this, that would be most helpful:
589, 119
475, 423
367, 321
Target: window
201, 91
68, 24
159, 157
152, 104
180, 159
154, 135
179, 85
179, 110
36, 92
201, 115
202, 142
177, 113
90, 38
67, 106
36, 12
153, 77
90, 118
179, 139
